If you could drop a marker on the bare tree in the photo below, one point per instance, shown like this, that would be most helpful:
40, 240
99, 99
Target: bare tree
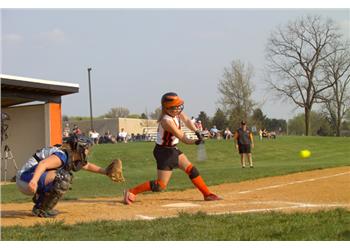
236, 90
337, 99
156, 114
295, 54
118, 112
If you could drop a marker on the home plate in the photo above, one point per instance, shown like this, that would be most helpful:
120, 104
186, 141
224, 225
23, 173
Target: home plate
144, 217
181, 205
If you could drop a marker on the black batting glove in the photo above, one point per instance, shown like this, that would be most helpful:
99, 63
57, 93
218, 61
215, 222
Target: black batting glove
199, 141
199, 135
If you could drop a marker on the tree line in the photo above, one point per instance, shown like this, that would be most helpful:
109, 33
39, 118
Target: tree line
307, 64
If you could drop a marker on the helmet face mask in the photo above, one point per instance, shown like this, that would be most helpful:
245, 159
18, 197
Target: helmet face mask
78, 150
172, 103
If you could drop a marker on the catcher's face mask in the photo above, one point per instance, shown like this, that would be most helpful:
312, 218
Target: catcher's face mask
79, 146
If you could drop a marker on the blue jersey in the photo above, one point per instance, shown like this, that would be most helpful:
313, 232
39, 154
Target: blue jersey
42, 154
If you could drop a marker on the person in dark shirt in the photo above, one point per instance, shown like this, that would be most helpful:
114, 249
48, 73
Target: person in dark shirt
243, 143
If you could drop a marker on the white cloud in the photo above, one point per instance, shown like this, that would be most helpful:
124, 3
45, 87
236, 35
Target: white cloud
54, 36
12, 38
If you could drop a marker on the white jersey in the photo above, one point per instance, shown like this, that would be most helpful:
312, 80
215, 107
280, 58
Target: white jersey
41, 154
165, 138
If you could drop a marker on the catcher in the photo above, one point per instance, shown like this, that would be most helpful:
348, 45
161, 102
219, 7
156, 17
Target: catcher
167, 155
48, 173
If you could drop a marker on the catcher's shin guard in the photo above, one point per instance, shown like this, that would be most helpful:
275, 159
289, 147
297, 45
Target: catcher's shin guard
60, 186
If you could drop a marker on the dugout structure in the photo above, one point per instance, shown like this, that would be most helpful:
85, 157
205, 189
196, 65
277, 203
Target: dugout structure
34, 109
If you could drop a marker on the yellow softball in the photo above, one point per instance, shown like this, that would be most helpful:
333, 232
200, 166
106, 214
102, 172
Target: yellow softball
305, 153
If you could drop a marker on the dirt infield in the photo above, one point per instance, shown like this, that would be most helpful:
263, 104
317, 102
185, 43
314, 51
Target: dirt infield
306, 191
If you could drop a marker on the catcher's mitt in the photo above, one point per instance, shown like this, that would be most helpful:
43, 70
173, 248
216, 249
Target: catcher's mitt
115, 171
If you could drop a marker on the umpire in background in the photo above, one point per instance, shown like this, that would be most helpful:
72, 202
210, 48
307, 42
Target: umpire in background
244, 142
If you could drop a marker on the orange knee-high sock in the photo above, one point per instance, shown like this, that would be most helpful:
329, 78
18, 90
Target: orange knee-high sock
161, 184
197, 180
141, 188
154, 186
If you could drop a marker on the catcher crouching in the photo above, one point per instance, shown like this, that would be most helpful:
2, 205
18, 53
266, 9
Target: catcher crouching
48, 174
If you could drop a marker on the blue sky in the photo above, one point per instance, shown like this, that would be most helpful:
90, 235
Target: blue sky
136, 55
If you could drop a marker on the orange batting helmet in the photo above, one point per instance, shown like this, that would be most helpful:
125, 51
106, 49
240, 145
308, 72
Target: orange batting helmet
171, 99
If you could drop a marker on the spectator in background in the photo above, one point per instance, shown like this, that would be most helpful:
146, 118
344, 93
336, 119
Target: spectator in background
106, 138
272, 135
206, 133
260, 134
227, 134
193, 120
122, 136
265, 134
199, 125
109, 135
66, 131
113, 139
89, 135
94, 136
76, 130
214, 132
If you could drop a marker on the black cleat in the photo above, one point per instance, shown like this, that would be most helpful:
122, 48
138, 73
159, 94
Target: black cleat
44, 214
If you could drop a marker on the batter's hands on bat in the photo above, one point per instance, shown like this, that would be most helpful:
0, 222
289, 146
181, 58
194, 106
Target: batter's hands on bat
199, 135
199, 141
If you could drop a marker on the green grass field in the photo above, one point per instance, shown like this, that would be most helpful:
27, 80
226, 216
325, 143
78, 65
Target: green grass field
330, 225
271, 158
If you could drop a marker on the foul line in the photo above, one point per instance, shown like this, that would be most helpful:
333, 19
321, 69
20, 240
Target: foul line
278, 208
292, 183
293, 204
144, 217
296, 205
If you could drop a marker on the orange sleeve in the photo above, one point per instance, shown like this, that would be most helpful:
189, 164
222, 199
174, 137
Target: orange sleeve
251, 136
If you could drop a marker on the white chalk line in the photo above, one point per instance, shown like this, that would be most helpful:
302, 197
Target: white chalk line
297, 205
293, 182
240, 203
144, 217
256, 210
301, 204
280, 208
181, 205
